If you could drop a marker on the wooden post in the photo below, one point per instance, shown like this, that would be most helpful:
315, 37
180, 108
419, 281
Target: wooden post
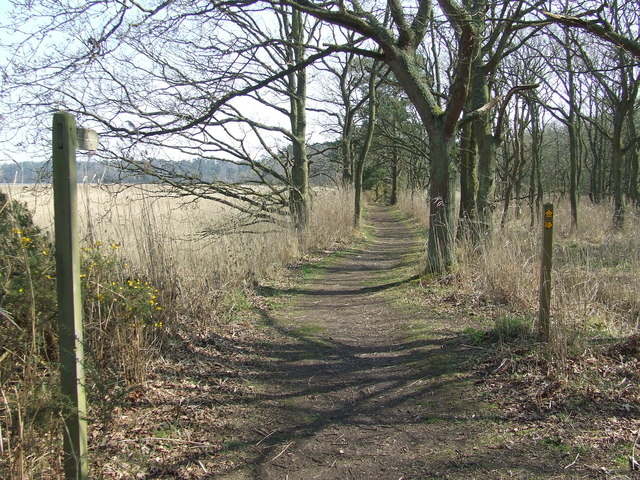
69, 302
545, 274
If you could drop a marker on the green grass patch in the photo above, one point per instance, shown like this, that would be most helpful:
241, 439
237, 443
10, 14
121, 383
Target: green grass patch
476, 335
510, 329
308, 330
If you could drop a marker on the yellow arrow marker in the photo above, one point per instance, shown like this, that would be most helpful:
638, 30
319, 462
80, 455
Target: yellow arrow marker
548, 214
548, 224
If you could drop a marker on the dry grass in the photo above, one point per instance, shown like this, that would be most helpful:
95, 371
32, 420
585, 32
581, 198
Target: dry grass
596, 270
148, 269
162, 238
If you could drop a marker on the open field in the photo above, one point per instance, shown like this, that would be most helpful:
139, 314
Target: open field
166, 239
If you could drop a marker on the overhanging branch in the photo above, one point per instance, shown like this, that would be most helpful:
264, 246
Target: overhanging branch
597, 28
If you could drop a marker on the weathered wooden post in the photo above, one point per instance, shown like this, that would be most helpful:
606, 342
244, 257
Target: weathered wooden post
545, 274
70, 331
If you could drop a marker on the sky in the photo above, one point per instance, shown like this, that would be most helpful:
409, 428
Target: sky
21, 145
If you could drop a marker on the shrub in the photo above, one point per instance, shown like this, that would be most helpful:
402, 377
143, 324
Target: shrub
123, 315
513, 329
27, 293
122, 319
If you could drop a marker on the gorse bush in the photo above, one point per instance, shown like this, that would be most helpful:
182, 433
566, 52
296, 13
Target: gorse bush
123, 313
27, 293
28, 331
123, 318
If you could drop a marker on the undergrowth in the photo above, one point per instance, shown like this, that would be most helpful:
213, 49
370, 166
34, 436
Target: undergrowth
149, 277
589, 373
595, 272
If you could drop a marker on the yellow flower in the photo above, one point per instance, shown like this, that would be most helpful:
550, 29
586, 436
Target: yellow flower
45, 253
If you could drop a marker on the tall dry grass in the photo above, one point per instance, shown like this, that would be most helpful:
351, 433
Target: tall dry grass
148, 268
165, 239
596, 269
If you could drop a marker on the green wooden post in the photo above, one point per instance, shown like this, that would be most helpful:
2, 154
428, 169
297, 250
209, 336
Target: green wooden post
69, 301
545, 274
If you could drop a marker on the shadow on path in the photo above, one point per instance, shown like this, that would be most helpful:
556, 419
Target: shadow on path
344, 392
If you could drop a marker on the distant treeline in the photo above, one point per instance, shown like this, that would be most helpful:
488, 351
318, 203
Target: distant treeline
324, 170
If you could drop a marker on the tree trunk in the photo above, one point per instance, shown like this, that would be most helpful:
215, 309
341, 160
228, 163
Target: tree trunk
616, 170
443, 173
347, 160
360, 161
442, 214
468, 184
634, 157
487, 145
299, 200
486, 149
393, 199
573, 172
357, 186
535, 189
573, 146
510, 180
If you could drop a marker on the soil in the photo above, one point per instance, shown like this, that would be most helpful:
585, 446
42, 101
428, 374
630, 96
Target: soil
347, 376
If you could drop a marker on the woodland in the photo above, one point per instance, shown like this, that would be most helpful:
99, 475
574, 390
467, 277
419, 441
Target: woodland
298, 119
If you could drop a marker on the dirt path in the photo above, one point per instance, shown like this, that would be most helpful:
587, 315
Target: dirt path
356, 374
368, 389
359, 383
356, 393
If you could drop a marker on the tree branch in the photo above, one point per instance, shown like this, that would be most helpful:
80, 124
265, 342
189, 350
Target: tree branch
595, 27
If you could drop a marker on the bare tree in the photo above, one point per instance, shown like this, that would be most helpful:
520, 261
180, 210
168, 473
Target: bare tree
178, 81
592, 22
619, 79
398, 46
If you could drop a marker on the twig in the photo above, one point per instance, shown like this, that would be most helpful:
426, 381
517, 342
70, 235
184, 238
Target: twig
265, 437
283, 450
501, 365
174, 440
633, 462
572, 463
9, 422
202, 466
